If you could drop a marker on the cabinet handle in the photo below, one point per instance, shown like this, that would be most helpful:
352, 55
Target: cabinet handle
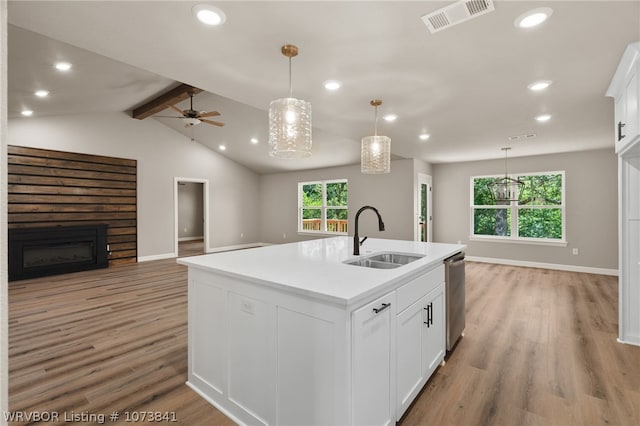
429, 309
620, 126
428, 321
381, 308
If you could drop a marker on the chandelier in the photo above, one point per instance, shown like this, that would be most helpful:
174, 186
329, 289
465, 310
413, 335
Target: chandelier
505, 189
375, 155
289, 121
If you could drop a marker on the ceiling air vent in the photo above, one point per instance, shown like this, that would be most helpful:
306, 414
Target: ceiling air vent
456, 13
522, 137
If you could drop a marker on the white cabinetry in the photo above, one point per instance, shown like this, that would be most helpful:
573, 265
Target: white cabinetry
266, 356
433, 340
624, 89
372, 361
420, 336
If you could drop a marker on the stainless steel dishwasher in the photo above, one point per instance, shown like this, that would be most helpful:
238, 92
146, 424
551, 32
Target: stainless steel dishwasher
455, 297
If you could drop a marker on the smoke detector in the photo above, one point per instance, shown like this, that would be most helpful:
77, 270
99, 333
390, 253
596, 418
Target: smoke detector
456, 13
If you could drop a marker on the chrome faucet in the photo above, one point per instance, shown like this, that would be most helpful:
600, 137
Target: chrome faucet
356, 238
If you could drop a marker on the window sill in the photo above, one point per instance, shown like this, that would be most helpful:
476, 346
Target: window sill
532, 241
322, 234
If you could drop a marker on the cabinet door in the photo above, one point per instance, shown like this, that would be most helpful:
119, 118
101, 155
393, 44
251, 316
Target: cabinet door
409, 359
631, 108
434, 342
371, 362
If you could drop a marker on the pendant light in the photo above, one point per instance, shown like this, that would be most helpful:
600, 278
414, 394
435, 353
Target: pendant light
289, 121
376, 150
505, 189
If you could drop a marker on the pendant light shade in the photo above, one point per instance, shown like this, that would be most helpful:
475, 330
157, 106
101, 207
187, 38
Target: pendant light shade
289, 121
375, 156
505, 189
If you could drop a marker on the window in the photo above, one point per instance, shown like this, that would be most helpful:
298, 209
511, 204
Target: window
539, 216
323, 206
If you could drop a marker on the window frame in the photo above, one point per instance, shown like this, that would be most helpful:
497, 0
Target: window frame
515, 207
323, 208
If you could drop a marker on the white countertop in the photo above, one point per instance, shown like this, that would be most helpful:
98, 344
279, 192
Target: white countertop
315, 268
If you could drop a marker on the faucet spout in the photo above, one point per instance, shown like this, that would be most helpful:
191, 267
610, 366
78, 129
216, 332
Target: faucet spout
356, 238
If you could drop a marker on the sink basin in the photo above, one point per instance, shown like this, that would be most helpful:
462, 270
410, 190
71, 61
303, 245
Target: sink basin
385, 260
397, 258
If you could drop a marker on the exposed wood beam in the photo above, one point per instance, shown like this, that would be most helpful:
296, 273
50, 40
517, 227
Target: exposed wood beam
161, 102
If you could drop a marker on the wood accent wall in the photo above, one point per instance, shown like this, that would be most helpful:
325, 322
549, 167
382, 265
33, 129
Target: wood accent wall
50, 188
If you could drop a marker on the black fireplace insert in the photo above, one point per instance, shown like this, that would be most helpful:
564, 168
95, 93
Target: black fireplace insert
38, 252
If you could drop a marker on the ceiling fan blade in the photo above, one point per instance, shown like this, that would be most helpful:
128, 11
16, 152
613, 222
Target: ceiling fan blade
166, 116
215, 123
176, 109
209, 114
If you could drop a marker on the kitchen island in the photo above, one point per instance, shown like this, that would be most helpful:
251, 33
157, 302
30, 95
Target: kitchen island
294, 334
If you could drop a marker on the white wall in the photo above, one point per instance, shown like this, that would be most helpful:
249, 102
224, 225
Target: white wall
391, 194
190, 210
162, 155
591, 208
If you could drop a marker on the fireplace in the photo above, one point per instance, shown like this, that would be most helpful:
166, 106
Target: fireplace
38, 252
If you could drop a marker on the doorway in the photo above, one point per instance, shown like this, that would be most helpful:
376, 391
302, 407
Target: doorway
191, 212
423, 216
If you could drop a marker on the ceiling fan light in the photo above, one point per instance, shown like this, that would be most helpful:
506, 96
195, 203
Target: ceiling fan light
190, 121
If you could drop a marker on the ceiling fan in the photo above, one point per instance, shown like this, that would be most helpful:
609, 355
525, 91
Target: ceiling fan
191, 117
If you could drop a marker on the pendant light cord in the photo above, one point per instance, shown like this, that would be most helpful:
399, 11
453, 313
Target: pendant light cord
505, 162
375, 121
290, 85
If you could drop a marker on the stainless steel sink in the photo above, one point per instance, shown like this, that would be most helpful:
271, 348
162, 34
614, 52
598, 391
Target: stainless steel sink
398, 258
385, 260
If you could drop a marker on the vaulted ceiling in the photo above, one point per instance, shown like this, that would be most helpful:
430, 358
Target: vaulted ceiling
465, 86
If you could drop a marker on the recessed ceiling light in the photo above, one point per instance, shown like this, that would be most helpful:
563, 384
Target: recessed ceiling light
543, 117
222, 147
533, 17
539, 85
41, 93
27, 112
424, 136
332, 84
63, 66
208, 14
254, 141
390, 117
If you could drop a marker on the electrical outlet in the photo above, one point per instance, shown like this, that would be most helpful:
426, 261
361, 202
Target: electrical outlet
575, 251
185, 229
241, 235
284, 236
247, 306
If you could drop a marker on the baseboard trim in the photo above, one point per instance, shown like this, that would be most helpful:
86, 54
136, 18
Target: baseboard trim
181, 239
629, 342
156, 257
209, 250
559, 267
235, 247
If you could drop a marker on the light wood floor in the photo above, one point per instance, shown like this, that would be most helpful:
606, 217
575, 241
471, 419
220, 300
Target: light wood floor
540, 349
